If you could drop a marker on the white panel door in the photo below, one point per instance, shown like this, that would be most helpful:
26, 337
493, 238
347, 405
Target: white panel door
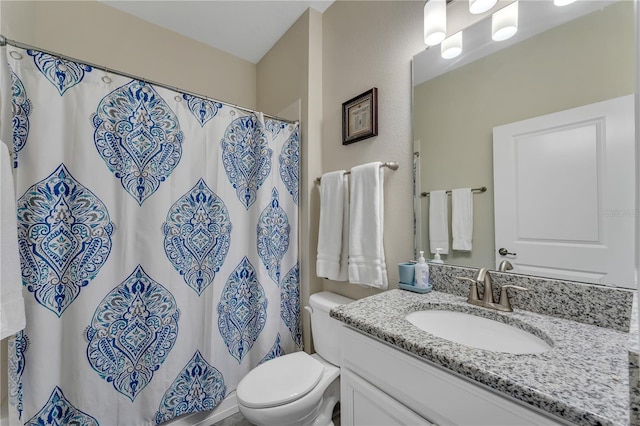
565, 193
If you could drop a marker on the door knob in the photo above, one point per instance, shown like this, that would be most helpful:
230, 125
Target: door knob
503, 252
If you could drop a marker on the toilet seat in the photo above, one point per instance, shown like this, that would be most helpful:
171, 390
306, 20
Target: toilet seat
280, 381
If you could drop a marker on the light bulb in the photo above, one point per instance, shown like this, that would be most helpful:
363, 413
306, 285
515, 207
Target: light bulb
451, 46
504, 23
480, 6
435, 21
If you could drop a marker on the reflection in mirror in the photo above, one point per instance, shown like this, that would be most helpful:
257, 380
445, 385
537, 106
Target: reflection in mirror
457, 104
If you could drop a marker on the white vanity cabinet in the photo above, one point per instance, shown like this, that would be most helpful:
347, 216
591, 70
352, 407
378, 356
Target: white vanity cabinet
381, 385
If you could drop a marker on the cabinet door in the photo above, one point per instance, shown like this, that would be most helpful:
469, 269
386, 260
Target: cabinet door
428, 390
364, 404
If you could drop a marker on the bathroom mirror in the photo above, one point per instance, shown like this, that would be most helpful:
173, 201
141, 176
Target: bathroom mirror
573, 56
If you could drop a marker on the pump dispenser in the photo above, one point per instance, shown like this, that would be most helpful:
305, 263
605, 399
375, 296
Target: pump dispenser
437, 258
422, 272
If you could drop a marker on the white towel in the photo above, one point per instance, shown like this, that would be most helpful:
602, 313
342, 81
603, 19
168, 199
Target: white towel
438, 222
333, 236
12, 316
366, 226
462, 218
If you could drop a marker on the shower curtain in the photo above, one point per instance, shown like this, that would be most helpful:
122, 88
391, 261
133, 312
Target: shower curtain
158, 244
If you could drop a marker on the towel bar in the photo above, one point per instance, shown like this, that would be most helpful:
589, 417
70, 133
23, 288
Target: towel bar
480, 190
393, 165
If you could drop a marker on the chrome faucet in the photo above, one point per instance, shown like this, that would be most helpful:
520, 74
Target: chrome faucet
505, 265
484, 278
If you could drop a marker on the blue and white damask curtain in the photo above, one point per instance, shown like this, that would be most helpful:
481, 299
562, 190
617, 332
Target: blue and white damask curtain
158, 244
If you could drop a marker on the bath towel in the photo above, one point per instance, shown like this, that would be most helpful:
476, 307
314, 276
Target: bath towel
438, 222
366, 227
333, 237
12, 315
462, 218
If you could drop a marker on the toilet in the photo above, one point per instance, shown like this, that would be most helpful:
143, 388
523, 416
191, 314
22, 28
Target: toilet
298, 388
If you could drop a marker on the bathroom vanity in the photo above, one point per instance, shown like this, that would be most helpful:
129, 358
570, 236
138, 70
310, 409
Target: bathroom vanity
394, 372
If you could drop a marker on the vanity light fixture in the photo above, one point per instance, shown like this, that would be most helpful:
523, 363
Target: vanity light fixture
435, 21
480, 6
451, 46
504, 23
562, 2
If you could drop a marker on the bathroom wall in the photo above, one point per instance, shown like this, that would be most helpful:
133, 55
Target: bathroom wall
91, 31
367, 44
545, 74
291, 70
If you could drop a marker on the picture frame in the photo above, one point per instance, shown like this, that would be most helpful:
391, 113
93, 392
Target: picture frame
360, 117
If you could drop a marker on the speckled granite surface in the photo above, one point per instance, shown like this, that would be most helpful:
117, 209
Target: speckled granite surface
634, 367
583, 379
634, 392
590, 304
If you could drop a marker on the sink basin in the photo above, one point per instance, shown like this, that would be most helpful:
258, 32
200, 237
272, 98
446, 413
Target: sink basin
477, 332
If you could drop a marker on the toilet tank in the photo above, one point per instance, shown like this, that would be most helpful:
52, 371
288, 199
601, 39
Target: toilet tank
326, 330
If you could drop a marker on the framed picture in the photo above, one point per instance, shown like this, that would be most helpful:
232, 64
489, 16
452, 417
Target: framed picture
360, 117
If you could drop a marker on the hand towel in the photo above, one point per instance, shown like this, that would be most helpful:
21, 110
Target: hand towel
462, 218
333, 237
438, 222
366, 226
12, 315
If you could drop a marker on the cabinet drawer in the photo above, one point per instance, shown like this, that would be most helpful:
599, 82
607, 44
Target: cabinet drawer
434, 393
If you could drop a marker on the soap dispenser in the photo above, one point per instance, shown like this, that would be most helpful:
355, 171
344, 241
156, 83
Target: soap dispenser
422, 272
437, 258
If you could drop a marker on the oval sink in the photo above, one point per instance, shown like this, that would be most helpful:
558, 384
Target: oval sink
477, 332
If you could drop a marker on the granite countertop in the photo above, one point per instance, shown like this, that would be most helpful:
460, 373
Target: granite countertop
582, 379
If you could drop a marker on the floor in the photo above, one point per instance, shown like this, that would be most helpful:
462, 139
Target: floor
235, 420
238, 420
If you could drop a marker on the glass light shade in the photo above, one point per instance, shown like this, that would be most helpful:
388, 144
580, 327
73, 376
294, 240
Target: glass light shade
562, 2
504, 23
435, 21
451, 46
480, 6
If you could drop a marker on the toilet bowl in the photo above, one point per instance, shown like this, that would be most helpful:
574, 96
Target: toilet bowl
298, 388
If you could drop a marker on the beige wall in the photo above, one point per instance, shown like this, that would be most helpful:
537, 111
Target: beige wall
292, 70
566, 67
99, 34
367, 44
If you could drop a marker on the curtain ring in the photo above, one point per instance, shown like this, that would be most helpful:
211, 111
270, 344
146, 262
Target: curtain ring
62, 67
106, 79
15, 55
178, 98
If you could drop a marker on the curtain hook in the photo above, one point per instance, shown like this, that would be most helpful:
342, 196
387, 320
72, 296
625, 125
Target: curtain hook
105, 77
15, 55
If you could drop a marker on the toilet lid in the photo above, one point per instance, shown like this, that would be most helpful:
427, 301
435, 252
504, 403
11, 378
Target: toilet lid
279, 381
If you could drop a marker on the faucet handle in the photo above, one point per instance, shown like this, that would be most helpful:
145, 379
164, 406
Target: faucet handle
505, 303
473, 290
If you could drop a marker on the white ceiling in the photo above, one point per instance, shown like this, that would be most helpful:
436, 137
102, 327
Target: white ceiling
244, 28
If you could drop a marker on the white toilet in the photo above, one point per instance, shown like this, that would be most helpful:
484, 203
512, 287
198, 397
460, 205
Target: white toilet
297, 388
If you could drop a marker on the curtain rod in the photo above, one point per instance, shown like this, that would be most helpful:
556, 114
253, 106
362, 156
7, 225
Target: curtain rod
480, 190
393, 165
4, 41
